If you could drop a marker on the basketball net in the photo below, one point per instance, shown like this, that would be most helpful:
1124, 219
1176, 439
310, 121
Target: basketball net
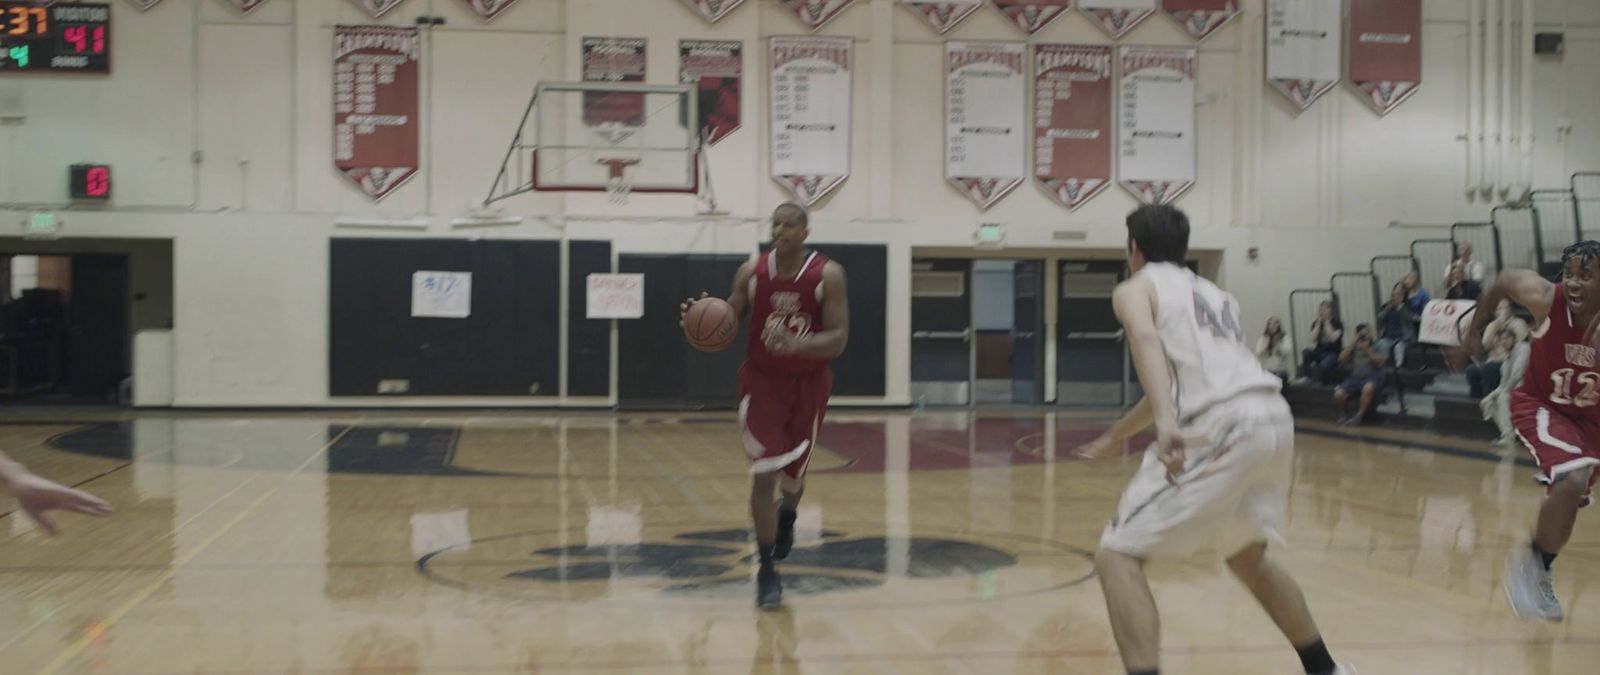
617, 184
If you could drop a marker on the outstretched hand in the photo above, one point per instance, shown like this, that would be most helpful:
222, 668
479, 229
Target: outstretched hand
38, 497
683, 308
1099, 448
1170, 450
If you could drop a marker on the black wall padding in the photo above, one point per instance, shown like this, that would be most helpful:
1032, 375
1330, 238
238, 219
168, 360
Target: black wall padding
943, 360
507, 347
656, 367
588, 340
1088, 360
862, 369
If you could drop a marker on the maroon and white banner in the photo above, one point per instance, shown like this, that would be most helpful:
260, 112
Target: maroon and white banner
489, 9
614, 115
1385, 54
717, 68
1117, 17
1156, 140
1072, 99
1201, 18
1033, 15
1303, 47
378, 8
943, 15
985, 105
246, 6
375, 105
810, 99
713, 10
814, 13
144, 5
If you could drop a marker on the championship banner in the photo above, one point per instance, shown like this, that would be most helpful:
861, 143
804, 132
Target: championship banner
713, 10
943, 15
615, 115
1201, 18
811, 90
985, 104
489, 9
1303, 42
246, 6
1117, 17
717, 67
1032, 15
1157, 142
814, 13
375, 105
144, 5
1072, 121
1386, 51
378, 8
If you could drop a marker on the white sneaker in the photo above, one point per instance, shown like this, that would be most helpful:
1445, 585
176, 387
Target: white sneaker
1344, 669
1529, 588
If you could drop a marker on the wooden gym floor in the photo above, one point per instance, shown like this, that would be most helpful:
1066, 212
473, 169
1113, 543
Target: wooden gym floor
929, 543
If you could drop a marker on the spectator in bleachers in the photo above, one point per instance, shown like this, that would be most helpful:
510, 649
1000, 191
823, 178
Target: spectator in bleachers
1416, 296
1497, 404
1470, 268
1327, 339
1366, 376
1461, 287
1397, 326
1486, 377
1273, 350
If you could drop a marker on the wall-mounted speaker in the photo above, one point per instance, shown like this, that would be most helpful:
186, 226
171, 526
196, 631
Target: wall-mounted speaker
1548, 44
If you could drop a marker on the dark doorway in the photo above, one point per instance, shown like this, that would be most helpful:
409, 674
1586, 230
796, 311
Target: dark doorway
65, 333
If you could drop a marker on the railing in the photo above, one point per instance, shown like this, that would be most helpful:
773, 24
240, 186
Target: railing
1558, 221
1586, 197
1521, 245
1485, 240
1390, 270
1358, 299
1303, 306
1433, 258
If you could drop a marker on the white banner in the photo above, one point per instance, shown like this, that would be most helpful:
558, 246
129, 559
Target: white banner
810, 100
985, 108
614, 296
942, 14
1117, 17
713, 10
446, 295
378, 8
1156, 141
1304, 38
814, 13
1443, 321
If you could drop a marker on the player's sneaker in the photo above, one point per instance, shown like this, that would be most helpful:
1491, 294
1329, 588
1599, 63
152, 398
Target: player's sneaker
785, 542
1529, 588
769, 589
1344, 669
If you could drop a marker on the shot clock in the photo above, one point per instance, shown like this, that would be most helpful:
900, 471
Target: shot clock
89, 181
43, 37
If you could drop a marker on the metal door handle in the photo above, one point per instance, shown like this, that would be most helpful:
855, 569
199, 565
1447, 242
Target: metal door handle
1116, 335
1022, 335
963, 335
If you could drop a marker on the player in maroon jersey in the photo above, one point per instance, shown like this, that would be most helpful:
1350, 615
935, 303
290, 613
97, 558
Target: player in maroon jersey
1554, 411
799, 321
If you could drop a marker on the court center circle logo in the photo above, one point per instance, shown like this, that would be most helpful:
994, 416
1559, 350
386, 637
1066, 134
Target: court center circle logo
843, 567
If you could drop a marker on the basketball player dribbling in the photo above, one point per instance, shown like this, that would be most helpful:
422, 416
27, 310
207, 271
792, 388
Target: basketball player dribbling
1219, 471
799, 321
1554, 410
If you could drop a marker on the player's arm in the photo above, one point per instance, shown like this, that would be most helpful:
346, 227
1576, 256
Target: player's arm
830, 343
37, 496
1135, 305
1110, 443
1519, 286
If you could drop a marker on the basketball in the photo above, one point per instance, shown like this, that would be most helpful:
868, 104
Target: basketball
710, 324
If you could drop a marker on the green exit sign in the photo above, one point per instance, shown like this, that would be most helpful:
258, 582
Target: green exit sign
990, 235
42, 226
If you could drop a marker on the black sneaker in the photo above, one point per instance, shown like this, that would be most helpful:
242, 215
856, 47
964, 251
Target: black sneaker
769, 589
785, 542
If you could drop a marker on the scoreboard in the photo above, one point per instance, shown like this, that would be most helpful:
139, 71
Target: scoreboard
38, 36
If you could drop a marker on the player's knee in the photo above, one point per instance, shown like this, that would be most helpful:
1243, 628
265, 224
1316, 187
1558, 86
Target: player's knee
1573, 484
1107, 559
791, 485
762, 484
1247, 562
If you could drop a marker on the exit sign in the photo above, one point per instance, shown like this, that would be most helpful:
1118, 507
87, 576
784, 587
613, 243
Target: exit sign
89, 181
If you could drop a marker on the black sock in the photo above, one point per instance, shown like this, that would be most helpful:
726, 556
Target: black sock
766, 554
1144, 672
1315, 659
1548, 558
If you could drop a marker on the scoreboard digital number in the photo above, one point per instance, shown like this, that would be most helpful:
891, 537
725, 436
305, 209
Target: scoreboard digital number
59, 37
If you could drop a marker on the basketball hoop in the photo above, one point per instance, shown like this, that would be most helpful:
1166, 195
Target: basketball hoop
617, 184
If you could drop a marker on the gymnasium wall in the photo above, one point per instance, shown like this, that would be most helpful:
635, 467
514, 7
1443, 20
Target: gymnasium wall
219, 128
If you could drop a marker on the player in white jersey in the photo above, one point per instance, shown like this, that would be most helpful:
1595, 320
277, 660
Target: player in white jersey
1218, 474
